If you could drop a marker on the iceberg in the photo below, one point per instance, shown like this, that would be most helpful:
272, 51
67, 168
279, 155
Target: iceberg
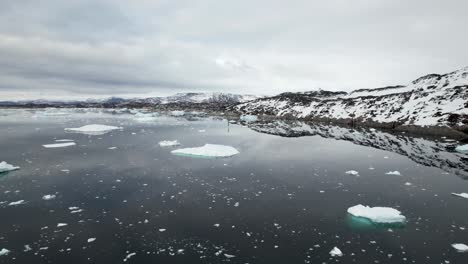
208, 150
336, 252
463, 195
4, 252
393, 173
4, 167
93, 129
462, 148
169, 143
59, 145
377, 214
460, 247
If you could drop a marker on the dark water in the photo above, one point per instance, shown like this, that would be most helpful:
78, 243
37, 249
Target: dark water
292, 193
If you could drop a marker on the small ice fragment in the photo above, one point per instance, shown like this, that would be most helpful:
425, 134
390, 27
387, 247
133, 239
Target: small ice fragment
169, 143
208, 150
248, 118
162, 230
112, 148
236, 204
229, 256
92, 239
352, 172
336, 252
463, 195
4, 252
462, 148
61, 224
377, 214
202, 130
129, 256
64, 140
408, 183
27, 248
177, 113
59, 145
16, 203
48, 197
216, 225
460, 247
4, 167
393, 173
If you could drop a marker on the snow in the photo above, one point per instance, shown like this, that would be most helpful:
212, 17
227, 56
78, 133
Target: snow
377, 214
463, 195
48, 197
336, 252
462, 148
169, 143
208, 150
59, 145
352, 172
93, 129
4, 167
393, 173
4, 252
460, 247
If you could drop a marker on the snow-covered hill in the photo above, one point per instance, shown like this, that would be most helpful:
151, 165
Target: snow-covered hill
432, 100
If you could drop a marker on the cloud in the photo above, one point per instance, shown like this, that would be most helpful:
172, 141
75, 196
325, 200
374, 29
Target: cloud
109, 47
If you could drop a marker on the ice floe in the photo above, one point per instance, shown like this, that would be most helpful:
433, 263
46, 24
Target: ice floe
59, 145
336, 252
208, 150
4, 167
352, 172
169, 143
377, 214
48, 197
393, 173
460, 247
93, 129
4, 252
463, 195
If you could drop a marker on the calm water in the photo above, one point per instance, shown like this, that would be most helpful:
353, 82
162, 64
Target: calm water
283, 199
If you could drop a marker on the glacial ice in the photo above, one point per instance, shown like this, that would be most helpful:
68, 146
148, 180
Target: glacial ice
93, 129
169, 143
4, 167
59, 145
377, 214
208, 150
336, 252
460, 247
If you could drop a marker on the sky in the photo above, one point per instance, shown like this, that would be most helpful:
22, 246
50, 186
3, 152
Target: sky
101, 48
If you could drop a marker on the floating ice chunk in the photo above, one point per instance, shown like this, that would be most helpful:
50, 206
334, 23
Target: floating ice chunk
208, 150
61, 224
129, 256
460, 247
112, 148
169, 143
177, 113
17, 203
463, 195
48, 197
352, 172
4, 167
377, 214
248, 118
4, 252
162, 230
92, 239
93, 129
336, 252
408, 183
229, 256
462, 148
393, 173
64, 140
59, 145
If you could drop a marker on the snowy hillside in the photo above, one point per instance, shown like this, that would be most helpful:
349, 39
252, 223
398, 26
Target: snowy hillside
432, 100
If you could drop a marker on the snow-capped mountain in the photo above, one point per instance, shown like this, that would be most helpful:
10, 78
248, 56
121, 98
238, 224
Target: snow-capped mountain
432, 100
424, 151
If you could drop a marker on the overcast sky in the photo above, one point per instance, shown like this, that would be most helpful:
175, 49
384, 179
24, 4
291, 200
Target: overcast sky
53, 48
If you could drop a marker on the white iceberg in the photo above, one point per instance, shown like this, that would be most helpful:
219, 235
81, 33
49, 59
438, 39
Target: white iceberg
248, 118
59, 145
4, 252
4, 167
460, 247
462, 148
336, 252
169, 143
93, 129
463, 195
208, 150
377, 214
393, 173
